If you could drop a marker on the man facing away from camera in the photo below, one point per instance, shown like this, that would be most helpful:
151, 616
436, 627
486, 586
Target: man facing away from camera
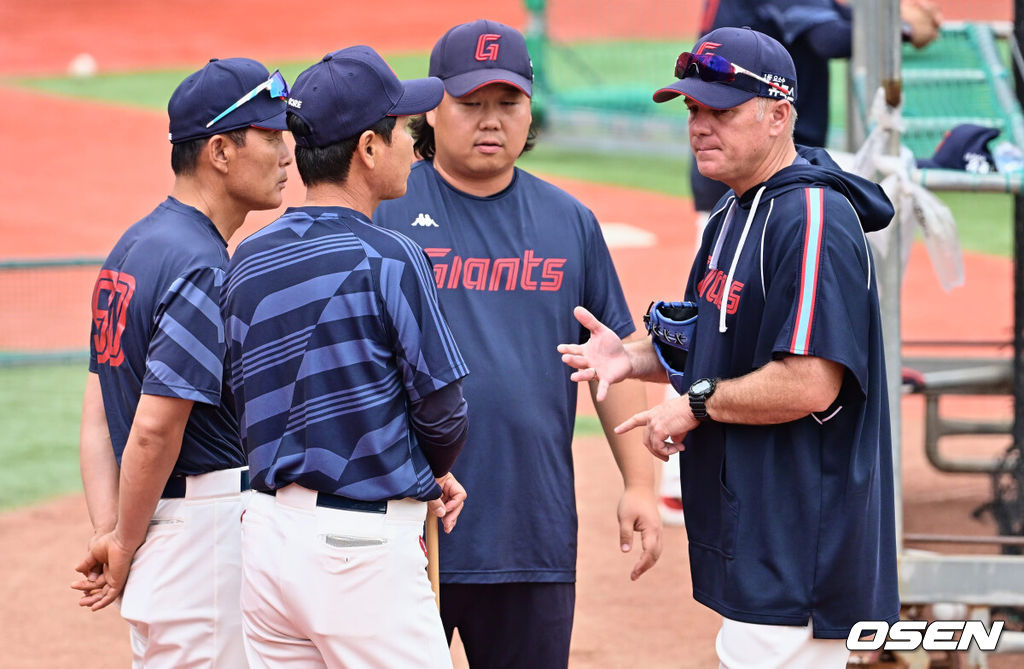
348, 385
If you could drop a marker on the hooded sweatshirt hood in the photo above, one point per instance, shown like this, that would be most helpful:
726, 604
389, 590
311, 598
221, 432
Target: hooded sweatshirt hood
868, 199
812, 167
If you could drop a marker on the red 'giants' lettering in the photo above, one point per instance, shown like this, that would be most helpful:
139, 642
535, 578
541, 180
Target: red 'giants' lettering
530, 272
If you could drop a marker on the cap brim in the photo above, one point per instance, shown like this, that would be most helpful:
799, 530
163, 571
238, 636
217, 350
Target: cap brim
278, 121
467, 82
928, 163
419, 97
710, 94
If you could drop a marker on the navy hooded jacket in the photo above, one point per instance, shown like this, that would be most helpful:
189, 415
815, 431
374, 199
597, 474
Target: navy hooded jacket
793, 522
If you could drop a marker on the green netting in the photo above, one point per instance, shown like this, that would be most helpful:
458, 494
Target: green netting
610, 75
46, 307
952, 81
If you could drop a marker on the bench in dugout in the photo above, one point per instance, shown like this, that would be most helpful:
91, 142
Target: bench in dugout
964, 77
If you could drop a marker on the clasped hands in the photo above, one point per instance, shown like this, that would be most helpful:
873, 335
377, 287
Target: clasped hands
104, 570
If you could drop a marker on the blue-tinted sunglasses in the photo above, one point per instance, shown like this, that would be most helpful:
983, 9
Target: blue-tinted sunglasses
710, 67
276, 84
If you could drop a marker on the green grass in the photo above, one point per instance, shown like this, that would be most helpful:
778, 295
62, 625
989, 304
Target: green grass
984, 219
39, 428
151, 89
39, 450
644, 172
588, 426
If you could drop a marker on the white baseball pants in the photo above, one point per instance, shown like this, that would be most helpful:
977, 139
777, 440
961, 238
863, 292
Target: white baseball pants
336, 588
751, 646
182, 594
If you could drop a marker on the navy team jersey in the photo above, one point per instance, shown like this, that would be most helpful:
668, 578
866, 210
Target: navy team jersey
509, 269
156, 329
334, 329
794, 522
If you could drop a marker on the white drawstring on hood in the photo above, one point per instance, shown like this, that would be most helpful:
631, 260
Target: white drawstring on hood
724, 308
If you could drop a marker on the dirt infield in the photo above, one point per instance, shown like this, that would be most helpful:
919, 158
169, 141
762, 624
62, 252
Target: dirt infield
77, 173
651, 624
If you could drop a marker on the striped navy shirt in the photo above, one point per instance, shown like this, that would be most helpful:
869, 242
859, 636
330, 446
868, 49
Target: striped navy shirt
156, 329
333, 329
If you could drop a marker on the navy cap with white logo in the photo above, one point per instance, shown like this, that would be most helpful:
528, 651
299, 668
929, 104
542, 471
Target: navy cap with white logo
756, 52
481, 52
207, 93
965, 147
352, 89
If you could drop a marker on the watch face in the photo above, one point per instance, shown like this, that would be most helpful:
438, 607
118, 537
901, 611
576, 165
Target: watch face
700, 387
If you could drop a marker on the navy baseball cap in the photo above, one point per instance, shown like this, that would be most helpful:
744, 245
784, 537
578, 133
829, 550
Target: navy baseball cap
206, 93
350, 90
965, 147
751, 50
481, 52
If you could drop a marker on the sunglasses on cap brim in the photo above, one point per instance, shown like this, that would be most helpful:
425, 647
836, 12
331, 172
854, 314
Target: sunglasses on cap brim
275, 83
714, 68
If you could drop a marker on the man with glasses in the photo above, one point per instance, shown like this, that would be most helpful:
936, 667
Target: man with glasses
161, 459
813, 32
348, 386
512, 255
783, 434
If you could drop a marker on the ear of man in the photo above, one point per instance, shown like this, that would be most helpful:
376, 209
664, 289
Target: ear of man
779, 117
366, 147
219, 152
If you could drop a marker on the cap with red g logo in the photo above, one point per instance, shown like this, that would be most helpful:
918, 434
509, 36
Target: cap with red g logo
481, 52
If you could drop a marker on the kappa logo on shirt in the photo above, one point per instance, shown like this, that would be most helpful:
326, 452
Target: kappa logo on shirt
425, 221
110, 299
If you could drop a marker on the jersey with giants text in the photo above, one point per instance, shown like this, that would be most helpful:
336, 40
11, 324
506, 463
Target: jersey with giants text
509, 270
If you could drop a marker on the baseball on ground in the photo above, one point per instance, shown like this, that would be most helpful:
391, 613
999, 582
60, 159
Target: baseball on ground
82, 66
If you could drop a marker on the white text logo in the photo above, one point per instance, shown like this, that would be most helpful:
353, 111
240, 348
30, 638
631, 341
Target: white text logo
425, 221
913, 634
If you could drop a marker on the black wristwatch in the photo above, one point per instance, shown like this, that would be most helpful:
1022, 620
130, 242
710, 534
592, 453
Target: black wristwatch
700, 392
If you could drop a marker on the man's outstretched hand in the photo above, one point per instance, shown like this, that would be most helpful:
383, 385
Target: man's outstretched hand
602, 357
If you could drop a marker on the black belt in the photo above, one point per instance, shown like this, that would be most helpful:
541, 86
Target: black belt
175, 488
330, 501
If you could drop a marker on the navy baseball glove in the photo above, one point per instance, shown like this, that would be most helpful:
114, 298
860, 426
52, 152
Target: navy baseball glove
671, 325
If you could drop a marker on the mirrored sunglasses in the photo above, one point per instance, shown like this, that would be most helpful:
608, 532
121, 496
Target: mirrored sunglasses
713, 68
275, 83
